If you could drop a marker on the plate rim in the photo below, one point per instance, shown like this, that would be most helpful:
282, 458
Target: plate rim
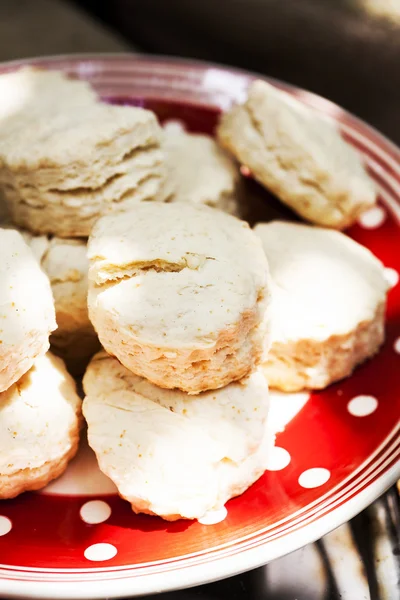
215, 568
200, 64
199, 574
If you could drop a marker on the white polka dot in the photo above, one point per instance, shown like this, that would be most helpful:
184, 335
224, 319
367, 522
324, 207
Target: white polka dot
361, 406
372, 218
213, 516
95, 511
314, 477
397, 345
5, 525
278, 459
174, 126
99, 552
391, 276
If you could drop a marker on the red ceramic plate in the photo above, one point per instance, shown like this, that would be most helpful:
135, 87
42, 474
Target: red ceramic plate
337, 451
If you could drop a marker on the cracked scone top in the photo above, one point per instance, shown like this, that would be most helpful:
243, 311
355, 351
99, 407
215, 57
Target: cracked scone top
328, 304
40, 419
172, 454
27, 314
299, 156
179, 293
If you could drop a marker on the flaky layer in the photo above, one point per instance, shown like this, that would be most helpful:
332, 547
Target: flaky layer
73, 213
315, 364
71, 149
61, 171
236, 354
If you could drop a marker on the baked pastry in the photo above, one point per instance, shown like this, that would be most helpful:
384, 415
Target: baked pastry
199, 171
32, 93
40, 418
328, 305
61, 171
27, 314
299, 156
171, 454
65, 263
179, 294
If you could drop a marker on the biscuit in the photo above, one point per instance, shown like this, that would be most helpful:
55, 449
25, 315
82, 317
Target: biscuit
171, 454
179, 294
31, 92
328, 305
199, 171
27, 314
299, 156
60, 173
65, 263
40, 418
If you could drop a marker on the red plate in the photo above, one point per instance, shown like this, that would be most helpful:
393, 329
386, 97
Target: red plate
339, 449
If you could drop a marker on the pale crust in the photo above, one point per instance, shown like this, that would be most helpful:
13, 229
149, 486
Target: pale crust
298, 156
62, 170
310, 364
171, 454
17, 359
75, 149
199, 171
27, 315
29, 480
40, 420
328, 305
73, 215
174, 300
234, 355
31, 93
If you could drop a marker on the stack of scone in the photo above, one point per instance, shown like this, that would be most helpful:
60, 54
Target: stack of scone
195, 313
180, 423
40, 411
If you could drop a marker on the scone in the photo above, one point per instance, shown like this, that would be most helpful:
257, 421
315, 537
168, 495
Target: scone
299, 156
31, 93
179, 293
171, 454
65, 263
328, 305
199, 171
27, 314
40, 418
62, 171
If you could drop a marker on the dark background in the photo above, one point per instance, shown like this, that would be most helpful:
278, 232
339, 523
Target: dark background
346, 50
